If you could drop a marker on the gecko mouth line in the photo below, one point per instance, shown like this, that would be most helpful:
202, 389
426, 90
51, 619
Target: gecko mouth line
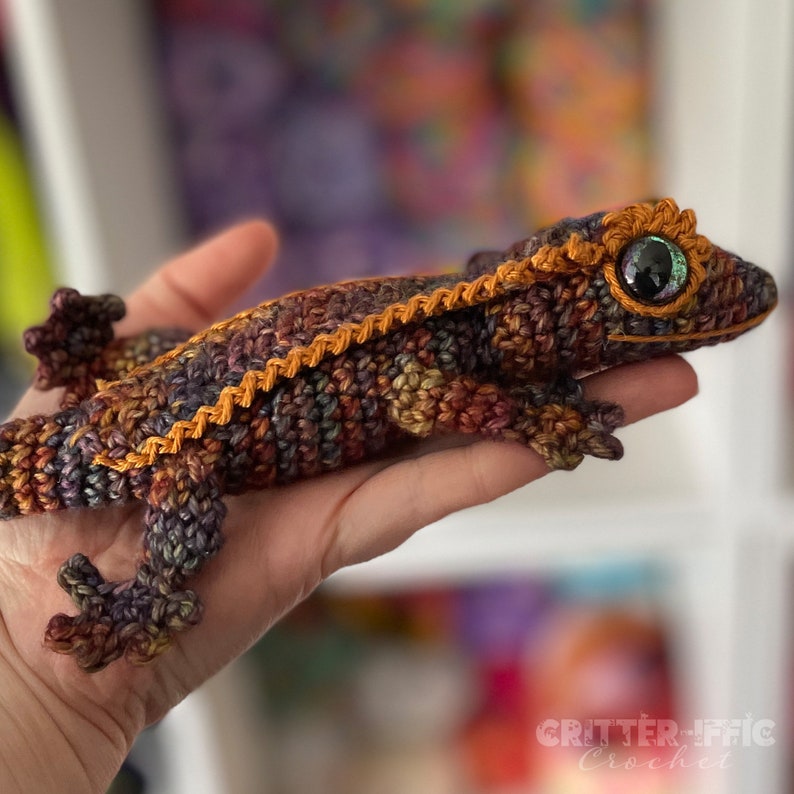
733, 329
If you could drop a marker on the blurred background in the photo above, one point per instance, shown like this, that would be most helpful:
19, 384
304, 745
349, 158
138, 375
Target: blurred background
395, 136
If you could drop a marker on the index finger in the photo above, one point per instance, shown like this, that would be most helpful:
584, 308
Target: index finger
192, 289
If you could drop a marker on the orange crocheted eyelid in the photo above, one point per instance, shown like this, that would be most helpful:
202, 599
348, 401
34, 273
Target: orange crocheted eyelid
666, 220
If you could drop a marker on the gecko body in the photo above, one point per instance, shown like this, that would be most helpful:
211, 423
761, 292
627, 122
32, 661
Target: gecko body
328, 377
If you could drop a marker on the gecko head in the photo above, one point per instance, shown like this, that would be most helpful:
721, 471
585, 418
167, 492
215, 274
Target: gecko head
666, 288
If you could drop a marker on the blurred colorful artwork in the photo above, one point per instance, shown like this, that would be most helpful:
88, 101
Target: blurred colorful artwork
394, 136
455, 690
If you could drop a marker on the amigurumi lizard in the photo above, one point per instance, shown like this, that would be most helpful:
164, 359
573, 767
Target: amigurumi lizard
328, 377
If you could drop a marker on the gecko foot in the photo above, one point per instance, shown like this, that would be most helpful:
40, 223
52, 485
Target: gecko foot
134, 619
564, 434
78, 329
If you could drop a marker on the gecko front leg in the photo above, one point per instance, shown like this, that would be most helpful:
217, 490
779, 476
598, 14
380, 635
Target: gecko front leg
557, 422
566, 426
137, 618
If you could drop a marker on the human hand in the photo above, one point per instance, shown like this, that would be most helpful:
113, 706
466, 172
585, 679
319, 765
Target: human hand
64, 730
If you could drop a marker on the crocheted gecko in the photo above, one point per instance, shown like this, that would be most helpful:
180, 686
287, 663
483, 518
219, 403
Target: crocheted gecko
328, 377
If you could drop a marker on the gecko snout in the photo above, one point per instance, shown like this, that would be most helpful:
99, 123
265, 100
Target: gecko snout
759, 291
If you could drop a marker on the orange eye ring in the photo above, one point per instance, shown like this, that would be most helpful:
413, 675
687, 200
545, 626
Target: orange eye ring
665, 221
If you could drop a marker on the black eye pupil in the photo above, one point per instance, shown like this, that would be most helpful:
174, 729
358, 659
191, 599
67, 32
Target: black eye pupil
654, 266
653, 269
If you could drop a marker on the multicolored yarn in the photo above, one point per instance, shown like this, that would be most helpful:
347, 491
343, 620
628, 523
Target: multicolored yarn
328, 377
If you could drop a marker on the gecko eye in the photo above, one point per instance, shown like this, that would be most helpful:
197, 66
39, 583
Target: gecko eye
653, 269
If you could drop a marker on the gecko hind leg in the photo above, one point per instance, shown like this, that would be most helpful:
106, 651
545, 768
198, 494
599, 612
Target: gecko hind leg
78, 329
76, 345
138, 618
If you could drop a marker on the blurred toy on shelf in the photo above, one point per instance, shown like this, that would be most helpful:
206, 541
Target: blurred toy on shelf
443, 690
